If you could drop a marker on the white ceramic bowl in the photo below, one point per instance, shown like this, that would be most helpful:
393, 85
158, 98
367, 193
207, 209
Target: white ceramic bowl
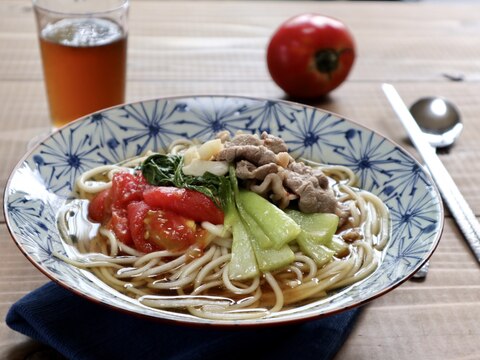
42, 182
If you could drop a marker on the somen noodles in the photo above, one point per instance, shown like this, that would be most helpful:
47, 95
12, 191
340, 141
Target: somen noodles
222, 261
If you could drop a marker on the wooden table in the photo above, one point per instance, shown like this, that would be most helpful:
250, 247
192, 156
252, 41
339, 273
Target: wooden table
218, 47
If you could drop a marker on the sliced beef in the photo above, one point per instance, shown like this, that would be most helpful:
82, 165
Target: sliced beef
243, 140
302, 169
246, 170
265, 166
313, 195
352, 235
256, 154
274, 143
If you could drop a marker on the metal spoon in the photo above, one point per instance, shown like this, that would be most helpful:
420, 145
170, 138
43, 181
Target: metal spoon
440, 121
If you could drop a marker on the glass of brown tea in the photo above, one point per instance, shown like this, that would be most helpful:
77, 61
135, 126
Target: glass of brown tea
83, 44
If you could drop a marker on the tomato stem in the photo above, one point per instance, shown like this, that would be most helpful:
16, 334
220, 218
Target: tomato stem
326, 60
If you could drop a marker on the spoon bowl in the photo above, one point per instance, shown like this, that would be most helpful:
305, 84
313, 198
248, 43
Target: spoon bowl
439, 119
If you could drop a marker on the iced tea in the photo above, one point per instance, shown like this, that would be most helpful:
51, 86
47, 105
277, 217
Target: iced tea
84, 62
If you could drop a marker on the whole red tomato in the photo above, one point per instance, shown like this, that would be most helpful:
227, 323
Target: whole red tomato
310, 55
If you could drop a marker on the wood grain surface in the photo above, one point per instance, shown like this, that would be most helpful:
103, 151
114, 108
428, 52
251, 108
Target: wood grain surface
218, 47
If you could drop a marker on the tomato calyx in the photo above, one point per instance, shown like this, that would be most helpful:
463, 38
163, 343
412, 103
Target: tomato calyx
328, 60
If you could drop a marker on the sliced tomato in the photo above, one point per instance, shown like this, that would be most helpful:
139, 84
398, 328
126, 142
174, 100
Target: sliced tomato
171, 231
126, 188
120, 226
153, 218
137, 211
98, 209
188, 203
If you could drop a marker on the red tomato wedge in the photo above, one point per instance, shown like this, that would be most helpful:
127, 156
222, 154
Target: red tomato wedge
170, 231
151, 218
137, 211
120, 226
98, 207
126, 188
188, 203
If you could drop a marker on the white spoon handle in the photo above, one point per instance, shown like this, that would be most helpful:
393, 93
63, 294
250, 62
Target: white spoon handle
461, 211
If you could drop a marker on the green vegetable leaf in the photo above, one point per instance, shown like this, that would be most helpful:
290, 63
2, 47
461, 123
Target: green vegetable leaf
161, 170
166, 170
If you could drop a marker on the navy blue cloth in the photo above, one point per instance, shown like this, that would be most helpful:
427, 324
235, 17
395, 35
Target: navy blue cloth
80, 329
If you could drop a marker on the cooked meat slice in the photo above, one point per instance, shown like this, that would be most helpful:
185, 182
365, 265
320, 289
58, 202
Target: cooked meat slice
301, 168
313, 199
258, 151
267, 168
247, 170
313, 195
272, 184
352, 235
321, 178
245, 139
257, 155
274, 143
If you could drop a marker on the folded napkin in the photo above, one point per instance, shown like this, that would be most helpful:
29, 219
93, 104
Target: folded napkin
80, 329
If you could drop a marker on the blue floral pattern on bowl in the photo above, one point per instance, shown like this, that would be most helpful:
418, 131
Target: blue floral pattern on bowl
42, 182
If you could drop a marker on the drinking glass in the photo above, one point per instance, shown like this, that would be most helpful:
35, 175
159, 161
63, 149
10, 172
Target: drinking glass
83, 44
